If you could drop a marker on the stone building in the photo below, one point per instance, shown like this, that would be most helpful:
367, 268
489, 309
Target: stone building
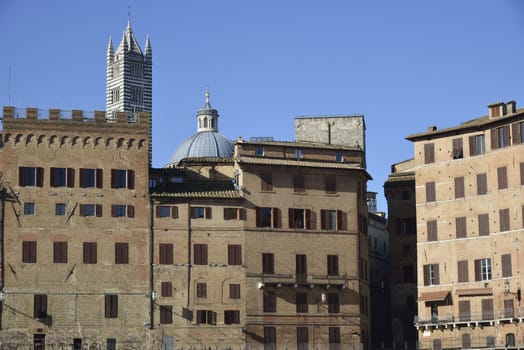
469, 208
75, 231
399, 190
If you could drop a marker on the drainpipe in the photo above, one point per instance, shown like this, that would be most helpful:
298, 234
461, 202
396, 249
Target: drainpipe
151, 275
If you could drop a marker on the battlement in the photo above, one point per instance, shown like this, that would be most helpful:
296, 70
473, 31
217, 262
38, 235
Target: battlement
79, 116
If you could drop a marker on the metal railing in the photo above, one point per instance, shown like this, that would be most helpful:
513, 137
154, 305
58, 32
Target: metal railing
506, 314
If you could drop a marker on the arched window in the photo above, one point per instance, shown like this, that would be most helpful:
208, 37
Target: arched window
510, 340
205, 122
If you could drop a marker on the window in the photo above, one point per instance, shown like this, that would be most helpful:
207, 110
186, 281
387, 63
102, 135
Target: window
29, 252
462, 271
234, 291
200, 254
331, 219
432, 230
111, 344
330, 184
62, 177
458, 151
301, 267
407, 227
60, 252
166, 289
332, 265
483, 224
460, 227
30, 176
267, 217
234, 214
483, 269
40, 305
115, 94
482, 184
120, 210
201, 213
301, 302
504, 219
298, 153
500, 137
339, 157
60, 209
91, 210
90, 255
302, 338
506, 265
234, 254
231, 317
464, 310
429, 153
206, 316
298, 183
259, 151
166, 314
266, 181
90, 178
487, 310
111, 306
268, 263
334, 338
510, 338
333, 303
502, 177
430, 192
477, 145
270, 302
431, 274
123, 178
459, 187
299, 218
29, 208
121, 253
165, 254
201, 289
408, 273
270, 338
165, 211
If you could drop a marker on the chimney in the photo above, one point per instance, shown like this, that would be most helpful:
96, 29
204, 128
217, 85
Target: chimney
497, 110
511, 107
432, 128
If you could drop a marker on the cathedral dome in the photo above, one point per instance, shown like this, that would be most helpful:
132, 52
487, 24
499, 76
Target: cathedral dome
207, 142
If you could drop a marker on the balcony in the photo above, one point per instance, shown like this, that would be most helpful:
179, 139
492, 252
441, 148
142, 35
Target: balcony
301, 280
445, 321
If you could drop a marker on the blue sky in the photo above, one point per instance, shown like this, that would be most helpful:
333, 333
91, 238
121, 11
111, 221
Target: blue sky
405, 65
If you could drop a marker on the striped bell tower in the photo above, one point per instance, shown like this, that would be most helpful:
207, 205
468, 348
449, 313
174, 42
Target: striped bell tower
129, 79
129, 76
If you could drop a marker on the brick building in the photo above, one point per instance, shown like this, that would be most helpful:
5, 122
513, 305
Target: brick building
469, 209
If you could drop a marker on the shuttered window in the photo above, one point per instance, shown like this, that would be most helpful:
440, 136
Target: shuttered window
111, 306
483, 269
333, 303
459, 187
466, 341
166, 314
268, 263
330, 184
165, 253
432, 230
429, 153
60, 252
30, 176
231, 317
270, 338
298, 183
90, 178
62, 177
509, 311
301, 302
200, 254
301, 267
302, 338
430, 192
458, 150
506, 265
270, 302
477, 145
487, 309
123, 178
464, 310
234, 254
500, 137
482, 184
522, 174
462, 271
502, 177
504, 219
201, 289
234, 291
90, 252
334, 338
483, 224
332, 265
517, 136
460, 227
300, 218
166, 289
40, 306
431, 274
121, 253
266, 182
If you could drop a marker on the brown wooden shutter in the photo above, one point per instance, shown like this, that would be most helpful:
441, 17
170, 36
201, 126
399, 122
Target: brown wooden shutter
462, 269
70, 177
39, 177
473, 146
457, 149
508, 308
436, 273
174, 212
130, 211
322, 219
52, 177
430, 192
276, 217
478, 271
131, 179
432, 230
167, 289
99, 178
113, 178
98, 209
291, 218
113, 210
494, 139
204, 254
502, 177
429, 153
21, 171
460, 227
483, 220
459, 187
242, 214
487, 309
198, 254
515, 127
257, 214
82, 178
506, 135
208, 212
309, 225
464, 310
506, 265
426, 275
482, 184
504, 219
